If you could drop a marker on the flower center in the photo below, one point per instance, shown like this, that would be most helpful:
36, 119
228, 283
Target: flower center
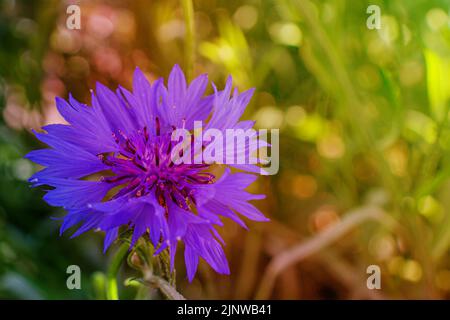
143, 164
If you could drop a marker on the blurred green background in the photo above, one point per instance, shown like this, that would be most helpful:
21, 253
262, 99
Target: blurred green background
363, 118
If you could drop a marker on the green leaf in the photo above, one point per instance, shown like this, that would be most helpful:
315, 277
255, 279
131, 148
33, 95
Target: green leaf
438, 83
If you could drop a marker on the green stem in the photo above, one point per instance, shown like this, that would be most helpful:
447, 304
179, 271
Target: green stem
188, 10
166, 289
111, 277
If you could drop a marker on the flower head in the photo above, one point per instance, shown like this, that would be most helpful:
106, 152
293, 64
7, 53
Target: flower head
112, 167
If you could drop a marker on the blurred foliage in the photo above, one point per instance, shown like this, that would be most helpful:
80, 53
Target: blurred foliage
364, 119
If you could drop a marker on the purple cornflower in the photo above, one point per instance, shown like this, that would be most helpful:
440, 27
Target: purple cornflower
110, 167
